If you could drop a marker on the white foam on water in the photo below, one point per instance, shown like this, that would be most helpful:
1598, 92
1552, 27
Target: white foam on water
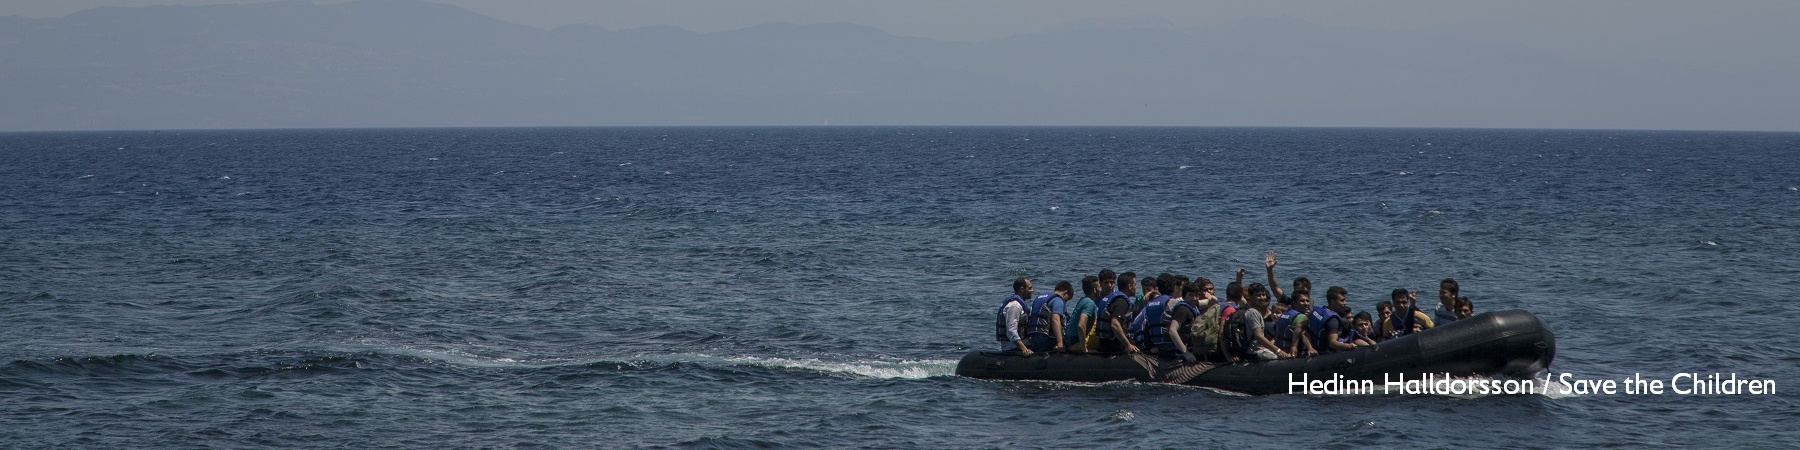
905, 369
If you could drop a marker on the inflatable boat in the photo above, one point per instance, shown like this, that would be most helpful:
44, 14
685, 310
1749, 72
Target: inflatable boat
1512, 343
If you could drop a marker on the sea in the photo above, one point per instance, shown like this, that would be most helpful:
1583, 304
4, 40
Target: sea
814, 287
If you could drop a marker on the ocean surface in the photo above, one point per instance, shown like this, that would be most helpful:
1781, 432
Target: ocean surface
814, 287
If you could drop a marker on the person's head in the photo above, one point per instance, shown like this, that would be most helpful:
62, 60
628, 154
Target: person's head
1448, 291
1200, 288
1464, 307
1363, 322
1065, 290
1258, 295
1090, 286
1022, 287
1303, 301
1128, 283
1168, 284
1302, 284
1148, 284
1107, 280
1191, 292
1402, 300
1234, 292
1337, 296
1385, 309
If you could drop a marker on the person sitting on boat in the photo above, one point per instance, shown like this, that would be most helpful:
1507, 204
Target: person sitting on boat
1081, 314
1114, 312
1386, 310
1447, 294
1008, 327
1044, 325
1406, 319
1360, 332
1197, 324
1326, 326
1464, 308
1153, 319
1147, 292
1291, 325
1280, 297
1243, 334
1234, 297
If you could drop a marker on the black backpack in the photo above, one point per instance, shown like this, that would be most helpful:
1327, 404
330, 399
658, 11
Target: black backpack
1236, 335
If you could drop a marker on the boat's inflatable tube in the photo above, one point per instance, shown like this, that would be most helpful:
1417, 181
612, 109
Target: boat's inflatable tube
1514, 343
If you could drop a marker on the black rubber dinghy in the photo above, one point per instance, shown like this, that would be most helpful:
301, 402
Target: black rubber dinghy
1512, 343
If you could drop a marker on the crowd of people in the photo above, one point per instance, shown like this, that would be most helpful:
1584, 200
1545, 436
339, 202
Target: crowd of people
1172, 315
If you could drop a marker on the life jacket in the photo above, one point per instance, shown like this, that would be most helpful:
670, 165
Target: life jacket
1402, 321
1444, 315
1202, 333
1000, 319
1150, 329
1284, 329
1103, 318
1040, 317
1317, 327
1236, 333
1080, 339
1351, 335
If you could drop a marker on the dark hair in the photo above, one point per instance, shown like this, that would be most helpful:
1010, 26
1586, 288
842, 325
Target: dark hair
1107, 275
1198, 286
1301, 283
1363, 315
1234, 291
1020, 283
1090, 286
1464, 301
1450, 283
1398, 294
1254, 289
1337, 291
1127, 278
1387, 305
1168, 284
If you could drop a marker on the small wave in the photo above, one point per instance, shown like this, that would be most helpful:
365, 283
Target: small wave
867, 369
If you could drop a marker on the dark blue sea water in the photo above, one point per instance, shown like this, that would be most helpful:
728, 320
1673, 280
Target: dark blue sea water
813, 287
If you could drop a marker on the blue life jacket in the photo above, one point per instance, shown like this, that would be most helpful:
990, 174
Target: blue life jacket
1039, 318
1103, 320
1444, 315
1151, 324
1283, 334
1162, 339
1000, 319
1403, 321
1316, 327
1351, 335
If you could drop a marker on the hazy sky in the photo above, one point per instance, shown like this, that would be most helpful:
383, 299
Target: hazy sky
1725, 35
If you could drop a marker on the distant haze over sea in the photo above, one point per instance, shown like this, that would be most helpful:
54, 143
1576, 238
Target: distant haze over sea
410, 63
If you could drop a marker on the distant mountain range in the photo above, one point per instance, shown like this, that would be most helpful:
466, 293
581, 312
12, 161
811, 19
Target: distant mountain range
396, 63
